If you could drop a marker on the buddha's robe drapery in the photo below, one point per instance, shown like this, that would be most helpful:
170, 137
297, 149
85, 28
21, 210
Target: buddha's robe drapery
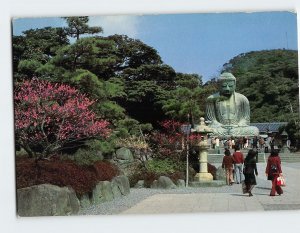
230, 117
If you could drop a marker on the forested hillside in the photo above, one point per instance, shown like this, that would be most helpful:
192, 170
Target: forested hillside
270, 81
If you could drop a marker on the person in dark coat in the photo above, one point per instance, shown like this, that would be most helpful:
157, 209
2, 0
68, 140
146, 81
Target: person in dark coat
227, 163
249, 169
273, 171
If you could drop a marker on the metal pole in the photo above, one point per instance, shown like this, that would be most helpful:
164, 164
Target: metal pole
187, 162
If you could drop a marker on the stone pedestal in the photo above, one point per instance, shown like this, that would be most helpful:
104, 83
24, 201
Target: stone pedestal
203, 177
285, 150
203, 174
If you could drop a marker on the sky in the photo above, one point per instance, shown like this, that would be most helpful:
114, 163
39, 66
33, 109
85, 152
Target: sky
194, 43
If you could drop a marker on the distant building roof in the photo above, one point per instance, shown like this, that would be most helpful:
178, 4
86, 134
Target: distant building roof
269, 126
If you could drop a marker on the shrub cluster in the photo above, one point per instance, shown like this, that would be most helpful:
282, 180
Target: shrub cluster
161, 166
105, 170
156, 168
62, 173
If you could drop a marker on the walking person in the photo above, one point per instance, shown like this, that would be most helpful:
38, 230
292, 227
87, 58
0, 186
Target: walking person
254, 142
261, 143
249, 169
227, 164
272, 143
213, 142
217, 145
238, 165
273, 171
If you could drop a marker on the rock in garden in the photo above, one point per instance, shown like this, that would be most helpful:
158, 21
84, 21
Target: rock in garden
123, 183
180, 183
154, 184
102, 192
140, 184
124, 154
47, 200
165, 182
85, 201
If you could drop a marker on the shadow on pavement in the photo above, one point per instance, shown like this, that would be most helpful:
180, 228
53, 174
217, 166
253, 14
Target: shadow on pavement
263, 188
235, 194
261, 194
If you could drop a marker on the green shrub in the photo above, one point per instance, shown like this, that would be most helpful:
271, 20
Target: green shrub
106, 147
86, 157
134, 178
162, 166
21, 153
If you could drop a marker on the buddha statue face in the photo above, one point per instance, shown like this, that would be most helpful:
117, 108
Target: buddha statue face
227, 87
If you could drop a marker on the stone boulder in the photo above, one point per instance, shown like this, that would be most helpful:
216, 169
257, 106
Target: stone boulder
220, 174
102, 192
115, 190
122, 184
107, 191
165, 182
154, 184
47, 200
180, 183
140, 184
124, 154
85, 201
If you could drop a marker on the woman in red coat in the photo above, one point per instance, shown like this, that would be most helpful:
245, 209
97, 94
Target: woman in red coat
273, 171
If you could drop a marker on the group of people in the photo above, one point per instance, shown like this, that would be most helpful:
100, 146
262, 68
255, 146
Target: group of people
242, 142
239, 169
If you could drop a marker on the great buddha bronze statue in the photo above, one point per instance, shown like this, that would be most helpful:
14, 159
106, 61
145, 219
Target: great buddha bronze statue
228, 111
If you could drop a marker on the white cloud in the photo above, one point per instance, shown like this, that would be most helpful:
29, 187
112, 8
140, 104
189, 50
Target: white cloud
119, 24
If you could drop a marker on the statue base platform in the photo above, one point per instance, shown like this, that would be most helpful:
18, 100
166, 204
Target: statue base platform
204, 176
213, 183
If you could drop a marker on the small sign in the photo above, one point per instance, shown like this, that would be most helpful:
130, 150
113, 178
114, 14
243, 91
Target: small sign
186, 129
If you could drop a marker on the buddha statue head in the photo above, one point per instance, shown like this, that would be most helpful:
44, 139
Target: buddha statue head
227, 84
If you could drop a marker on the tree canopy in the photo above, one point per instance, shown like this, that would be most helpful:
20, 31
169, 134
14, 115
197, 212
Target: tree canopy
269, 79
134, 89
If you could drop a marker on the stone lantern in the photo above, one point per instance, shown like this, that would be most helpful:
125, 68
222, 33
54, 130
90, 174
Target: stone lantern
203, 130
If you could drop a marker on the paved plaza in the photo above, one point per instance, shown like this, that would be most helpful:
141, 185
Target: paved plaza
226, 198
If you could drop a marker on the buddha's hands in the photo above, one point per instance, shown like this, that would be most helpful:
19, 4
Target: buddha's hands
242, 123
215, 124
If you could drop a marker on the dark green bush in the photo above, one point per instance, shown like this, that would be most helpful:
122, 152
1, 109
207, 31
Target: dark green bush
162, 166
86, 157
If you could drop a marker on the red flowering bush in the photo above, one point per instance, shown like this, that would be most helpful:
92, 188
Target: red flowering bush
167, 142
49, 116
